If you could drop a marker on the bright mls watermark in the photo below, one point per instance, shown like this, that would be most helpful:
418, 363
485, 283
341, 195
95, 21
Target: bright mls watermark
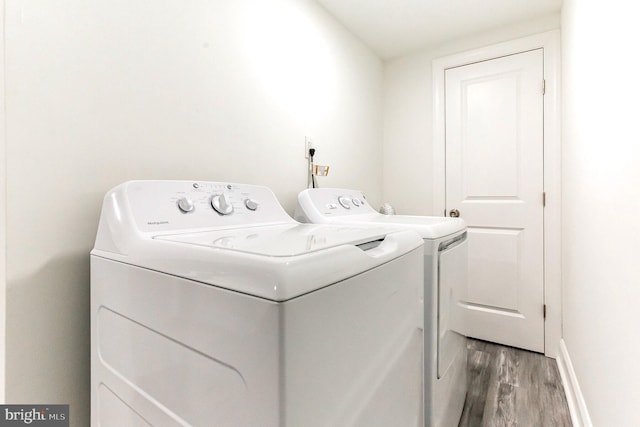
34, 415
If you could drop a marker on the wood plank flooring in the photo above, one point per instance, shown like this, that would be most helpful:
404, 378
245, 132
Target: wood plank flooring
512, 387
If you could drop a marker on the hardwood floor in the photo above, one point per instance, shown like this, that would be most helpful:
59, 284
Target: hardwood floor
512, 387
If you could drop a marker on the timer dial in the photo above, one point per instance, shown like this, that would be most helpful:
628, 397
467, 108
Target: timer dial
345, 202
221, 204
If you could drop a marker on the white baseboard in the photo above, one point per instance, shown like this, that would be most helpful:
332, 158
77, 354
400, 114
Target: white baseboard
577, 406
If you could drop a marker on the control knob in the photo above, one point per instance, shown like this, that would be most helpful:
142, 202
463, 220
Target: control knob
185, 205
345, 202
221, 204
251, 204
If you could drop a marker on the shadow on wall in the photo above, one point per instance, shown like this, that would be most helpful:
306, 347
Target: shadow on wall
48, 337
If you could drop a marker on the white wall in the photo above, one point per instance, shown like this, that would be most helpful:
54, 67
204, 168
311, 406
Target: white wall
105, 91
601, 201
408, 128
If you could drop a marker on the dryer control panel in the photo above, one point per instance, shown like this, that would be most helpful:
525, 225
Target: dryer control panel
185, 205
330, 202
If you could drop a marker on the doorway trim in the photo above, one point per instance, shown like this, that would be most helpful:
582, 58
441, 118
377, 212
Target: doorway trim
550, 43
3, 209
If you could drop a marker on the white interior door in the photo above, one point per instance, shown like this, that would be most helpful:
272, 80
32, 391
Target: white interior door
494, 178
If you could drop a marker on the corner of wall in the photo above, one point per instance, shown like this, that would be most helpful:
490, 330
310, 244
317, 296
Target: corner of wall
577, 405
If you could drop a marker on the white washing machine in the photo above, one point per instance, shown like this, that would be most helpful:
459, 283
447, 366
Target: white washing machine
445, 252
210, 306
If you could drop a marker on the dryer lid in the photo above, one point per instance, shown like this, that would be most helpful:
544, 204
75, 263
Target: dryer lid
428, 227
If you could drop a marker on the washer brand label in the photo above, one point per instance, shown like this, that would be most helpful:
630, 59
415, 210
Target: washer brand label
34, 415
157, 222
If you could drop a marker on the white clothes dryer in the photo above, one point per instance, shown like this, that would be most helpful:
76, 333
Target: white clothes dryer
210, 306
445, 350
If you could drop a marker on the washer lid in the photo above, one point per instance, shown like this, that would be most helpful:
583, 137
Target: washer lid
277, 263
284, 240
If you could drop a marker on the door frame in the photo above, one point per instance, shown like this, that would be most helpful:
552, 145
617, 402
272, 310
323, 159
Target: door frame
550, 43
3, 209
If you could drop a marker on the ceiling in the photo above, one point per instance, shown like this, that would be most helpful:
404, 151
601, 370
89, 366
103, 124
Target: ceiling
396, 27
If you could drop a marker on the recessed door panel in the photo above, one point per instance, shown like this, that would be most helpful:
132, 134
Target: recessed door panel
494, 266
490, 169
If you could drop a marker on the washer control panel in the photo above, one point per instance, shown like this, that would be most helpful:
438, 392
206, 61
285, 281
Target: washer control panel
179, 205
